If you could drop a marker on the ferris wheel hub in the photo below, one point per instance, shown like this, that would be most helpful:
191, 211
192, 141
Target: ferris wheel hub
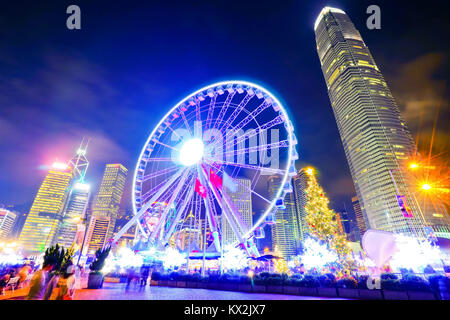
191, 152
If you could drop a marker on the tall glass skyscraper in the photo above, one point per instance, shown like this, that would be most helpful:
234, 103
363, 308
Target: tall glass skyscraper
284, 235
7, 220
45, 213
374, 135
74, 215
300, 183
107, 201
242, 201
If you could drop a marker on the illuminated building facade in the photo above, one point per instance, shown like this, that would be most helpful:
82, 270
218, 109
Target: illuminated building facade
7, 220
96, 234
283, 235
45, 214
242, 201
374, 135
359, 216
71, 229
107, 201
300, 183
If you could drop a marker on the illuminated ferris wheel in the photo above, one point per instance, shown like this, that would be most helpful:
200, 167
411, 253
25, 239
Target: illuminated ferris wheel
219, 144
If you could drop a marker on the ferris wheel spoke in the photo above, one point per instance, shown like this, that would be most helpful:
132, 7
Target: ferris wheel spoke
186, 124
147, 205
220, 169
212, 104
224, 108
236, 112
169, 204
254, 132
175, 132
159, 173
152, 191
269, 146
251, 116
166, 145
247, 166
159, 159
179, 214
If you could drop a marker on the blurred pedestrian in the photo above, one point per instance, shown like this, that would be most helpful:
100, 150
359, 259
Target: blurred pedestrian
65, 287
39, 282
144, 275
23, 273
130, 277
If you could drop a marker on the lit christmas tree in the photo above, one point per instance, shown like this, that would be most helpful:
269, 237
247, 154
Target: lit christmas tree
322, 225
280, 265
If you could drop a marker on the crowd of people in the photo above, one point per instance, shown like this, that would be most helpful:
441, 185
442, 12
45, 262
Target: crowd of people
18, 271
44, 283
136, 277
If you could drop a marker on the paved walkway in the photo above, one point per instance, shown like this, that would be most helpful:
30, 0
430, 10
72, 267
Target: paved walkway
116, 291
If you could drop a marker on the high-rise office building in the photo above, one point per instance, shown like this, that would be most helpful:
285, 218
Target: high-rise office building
283, 235
360, 221
300, 183
7, 221
242, 201
374, 135
73, 221
45, 213
107, 201
96, 234
71, 226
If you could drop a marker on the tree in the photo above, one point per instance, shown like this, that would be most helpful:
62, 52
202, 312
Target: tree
280, 264
99, 261
59, 257
323, 226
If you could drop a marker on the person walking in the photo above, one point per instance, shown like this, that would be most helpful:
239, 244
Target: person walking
65, 287
144, 276
23, 273
130, 277
39, 282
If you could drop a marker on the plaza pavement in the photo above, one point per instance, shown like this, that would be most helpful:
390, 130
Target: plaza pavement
117, 291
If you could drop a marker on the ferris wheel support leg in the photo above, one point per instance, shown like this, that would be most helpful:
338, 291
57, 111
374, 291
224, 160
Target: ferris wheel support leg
211, 221
145, 207
225, 209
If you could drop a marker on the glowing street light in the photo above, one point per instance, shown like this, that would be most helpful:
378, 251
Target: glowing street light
413, 165
426, 187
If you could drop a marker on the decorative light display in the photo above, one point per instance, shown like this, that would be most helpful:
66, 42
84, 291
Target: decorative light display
323, 225
125, 258
280, 265
234, 259
317, 255
172, 258
414, 254
8, 254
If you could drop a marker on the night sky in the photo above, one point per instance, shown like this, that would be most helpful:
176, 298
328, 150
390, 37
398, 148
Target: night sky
115, 78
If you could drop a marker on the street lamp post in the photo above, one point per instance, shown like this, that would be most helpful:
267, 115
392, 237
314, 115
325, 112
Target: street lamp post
82, 243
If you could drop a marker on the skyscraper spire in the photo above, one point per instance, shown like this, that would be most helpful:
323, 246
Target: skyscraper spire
79, 162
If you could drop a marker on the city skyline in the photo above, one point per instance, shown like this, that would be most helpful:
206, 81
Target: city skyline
224, 150
54, 142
